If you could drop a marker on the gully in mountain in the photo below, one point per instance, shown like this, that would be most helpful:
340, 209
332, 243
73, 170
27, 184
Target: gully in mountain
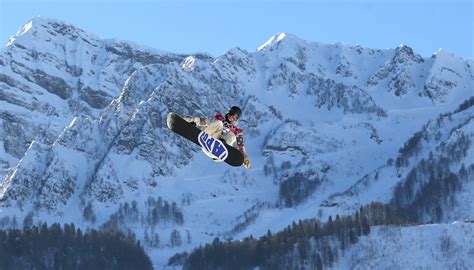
224, 127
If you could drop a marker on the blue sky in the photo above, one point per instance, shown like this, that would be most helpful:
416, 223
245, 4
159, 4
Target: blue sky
214, 26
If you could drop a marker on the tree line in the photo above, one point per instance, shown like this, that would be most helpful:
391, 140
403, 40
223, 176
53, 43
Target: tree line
309, 242
56, 247
465, 105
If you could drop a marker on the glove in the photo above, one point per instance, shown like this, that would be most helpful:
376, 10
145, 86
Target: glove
246, 163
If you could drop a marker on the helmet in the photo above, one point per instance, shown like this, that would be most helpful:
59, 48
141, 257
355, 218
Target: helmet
236, 111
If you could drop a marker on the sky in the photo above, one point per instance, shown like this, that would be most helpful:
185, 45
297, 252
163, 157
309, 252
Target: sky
215, 26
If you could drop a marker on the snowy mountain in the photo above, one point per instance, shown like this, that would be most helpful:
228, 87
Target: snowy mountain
51, 72
328, 128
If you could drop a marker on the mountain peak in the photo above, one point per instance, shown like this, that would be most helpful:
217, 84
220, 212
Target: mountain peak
43, 28
405, 53
279, 38
445, 54
404, 47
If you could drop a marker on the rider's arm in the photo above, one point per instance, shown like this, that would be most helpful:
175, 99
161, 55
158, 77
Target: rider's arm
199, 121
240, 143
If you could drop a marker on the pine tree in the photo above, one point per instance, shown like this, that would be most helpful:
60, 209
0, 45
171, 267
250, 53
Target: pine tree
88, 213
156, 240
28, 220
188, 237
175, 238
365, 226
318, 263
329, 228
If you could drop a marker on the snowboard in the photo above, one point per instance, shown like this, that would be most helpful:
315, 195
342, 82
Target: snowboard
216, 149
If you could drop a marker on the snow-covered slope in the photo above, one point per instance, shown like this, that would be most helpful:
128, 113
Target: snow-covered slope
439, 156
50, 72
440, 246
325, 128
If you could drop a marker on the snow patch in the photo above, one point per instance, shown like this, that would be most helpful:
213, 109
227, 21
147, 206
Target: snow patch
25, 28
189, 63
273, 40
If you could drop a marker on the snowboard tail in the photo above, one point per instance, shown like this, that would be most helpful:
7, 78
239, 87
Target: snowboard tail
216, 147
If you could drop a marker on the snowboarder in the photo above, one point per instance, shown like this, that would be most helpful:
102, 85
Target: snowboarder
223, 127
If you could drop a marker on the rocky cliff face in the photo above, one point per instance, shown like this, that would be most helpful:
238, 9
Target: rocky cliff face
84, 136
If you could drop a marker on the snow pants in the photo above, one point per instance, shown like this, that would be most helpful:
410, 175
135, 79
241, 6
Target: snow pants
215, 129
